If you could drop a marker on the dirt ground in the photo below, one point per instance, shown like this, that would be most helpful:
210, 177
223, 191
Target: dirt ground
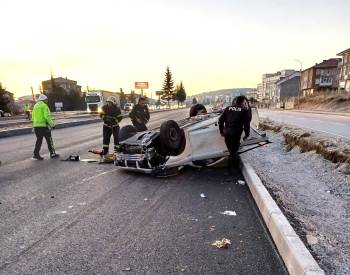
331, 103
314, 195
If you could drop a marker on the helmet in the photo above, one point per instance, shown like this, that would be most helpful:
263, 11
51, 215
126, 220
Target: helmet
42, 97
112, 99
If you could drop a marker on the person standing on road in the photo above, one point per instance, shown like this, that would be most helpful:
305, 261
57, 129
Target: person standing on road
42, 124
26, 109
111, 115
232, 122
140, 115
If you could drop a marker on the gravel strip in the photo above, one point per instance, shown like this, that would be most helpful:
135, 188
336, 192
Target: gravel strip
314, 195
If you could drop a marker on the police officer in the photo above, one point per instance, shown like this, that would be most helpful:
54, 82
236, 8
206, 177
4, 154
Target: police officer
140, 115
42, 124
111, 115
232, 122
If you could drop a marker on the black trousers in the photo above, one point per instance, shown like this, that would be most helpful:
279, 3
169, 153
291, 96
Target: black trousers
107, 132
43, 132
233, 141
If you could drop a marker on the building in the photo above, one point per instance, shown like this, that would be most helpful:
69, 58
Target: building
67, 84
252, 94
344, 71
267, 90
260, 92
320, 78
287, 89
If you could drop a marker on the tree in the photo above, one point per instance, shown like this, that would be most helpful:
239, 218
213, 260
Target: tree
168, 86
4, 99
132, 97
122, 99
194, 101
180, 95
7, 102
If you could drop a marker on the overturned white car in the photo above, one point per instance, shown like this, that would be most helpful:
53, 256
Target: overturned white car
194, 141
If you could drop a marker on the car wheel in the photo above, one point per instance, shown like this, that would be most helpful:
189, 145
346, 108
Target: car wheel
127, 132
197, 108
170, 136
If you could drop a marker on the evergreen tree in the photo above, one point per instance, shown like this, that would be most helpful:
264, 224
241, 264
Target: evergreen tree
168, 87
4, 99
122, 99
180, 95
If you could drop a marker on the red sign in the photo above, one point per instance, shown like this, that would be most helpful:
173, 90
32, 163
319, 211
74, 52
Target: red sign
141, 85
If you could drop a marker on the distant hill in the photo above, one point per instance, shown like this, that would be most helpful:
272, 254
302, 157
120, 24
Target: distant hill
225, 92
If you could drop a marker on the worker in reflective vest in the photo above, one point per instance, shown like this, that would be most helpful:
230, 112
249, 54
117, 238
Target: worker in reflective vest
42, 124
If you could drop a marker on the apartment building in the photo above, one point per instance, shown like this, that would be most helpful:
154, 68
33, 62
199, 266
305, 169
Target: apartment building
320, 78
344, 71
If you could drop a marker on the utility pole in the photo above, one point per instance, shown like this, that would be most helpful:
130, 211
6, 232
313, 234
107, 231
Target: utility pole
33, 97
300, 86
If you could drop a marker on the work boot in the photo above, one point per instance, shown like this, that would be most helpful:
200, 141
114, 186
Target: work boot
37, 157
54, 155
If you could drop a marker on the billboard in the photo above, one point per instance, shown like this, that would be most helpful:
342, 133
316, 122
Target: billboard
141, 85
159, 92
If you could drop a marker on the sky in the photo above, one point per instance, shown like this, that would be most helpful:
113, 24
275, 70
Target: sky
209, 45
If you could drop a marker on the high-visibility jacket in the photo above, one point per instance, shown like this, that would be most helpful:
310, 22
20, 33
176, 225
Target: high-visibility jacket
41, 115
26, 107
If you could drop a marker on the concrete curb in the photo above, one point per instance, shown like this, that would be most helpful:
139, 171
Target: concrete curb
28, 130
295, 255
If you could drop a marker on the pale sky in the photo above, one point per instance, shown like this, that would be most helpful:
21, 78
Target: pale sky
209, 45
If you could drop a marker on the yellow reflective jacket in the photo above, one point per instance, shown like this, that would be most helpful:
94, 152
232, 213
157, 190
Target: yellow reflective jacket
41, 115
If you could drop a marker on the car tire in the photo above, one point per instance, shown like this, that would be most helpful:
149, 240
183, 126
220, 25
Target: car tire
127, 132
170, 136
195, 109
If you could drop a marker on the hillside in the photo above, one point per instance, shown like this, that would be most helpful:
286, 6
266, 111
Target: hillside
224, 92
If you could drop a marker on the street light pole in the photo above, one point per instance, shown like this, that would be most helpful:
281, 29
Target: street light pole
301, 69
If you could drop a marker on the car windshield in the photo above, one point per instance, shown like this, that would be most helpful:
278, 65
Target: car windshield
92, 99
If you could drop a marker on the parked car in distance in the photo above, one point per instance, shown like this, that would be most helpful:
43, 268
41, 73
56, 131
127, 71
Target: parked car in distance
128, 107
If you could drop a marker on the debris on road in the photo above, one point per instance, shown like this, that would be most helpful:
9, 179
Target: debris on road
126, 269
224, 243
229, 213
203, 196
145, 199
72, 158
241, 182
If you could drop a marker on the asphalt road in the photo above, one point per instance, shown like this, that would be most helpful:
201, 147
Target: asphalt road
84, 218
336, 125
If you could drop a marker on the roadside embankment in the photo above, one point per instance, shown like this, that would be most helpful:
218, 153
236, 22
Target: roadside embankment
333, 149
328, 103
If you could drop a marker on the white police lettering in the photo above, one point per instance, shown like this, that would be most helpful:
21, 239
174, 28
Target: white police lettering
236, 109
